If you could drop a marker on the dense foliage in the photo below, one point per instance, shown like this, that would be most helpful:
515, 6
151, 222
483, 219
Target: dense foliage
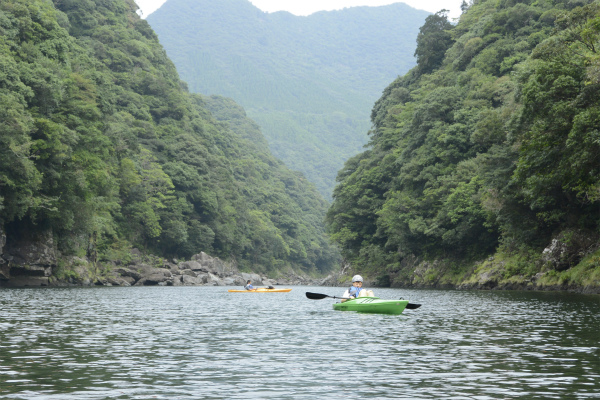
103, 146
491, 143
309, 81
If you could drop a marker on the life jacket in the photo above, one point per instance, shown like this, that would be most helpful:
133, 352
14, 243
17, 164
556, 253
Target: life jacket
354, 291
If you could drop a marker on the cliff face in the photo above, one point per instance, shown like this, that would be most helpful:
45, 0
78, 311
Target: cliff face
28, 262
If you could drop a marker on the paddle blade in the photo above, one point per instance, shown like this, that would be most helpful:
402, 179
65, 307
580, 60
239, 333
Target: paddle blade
412, 306
315, 296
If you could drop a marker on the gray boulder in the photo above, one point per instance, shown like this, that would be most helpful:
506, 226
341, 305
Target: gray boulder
255, 278
154, 276
129, 273
193, 266
189, 280
214, 265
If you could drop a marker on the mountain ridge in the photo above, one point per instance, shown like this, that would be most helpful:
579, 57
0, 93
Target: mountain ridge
301, 78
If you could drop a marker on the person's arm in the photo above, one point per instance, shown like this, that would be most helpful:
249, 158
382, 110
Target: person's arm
346, 294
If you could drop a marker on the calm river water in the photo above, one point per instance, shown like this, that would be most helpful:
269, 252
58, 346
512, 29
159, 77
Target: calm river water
206, 343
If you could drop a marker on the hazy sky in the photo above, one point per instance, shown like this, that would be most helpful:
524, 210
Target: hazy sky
307, 7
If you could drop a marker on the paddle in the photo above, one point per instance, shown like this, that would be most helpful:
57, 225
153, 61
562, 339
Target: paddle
319, 296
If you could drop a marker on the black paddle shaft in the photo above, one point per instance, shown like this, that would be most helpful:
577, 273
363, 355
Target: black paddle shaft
319, 296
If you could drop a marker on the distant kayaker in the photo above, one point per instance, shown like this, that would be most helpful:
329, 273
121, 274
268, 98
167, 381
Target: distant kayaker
249, 285
355, 289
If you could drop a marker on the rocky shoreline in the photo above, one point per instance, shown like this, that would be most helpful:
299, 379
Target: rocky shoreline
36, 263
201, 270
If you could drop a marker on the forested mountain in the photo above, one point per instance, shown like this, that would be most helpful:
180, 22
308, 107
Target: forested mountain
309, 82
103, 149
490, 146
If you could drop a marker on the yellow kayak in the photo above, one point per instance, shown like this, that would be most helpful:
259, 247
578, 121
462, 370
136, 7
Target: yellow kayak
258, 290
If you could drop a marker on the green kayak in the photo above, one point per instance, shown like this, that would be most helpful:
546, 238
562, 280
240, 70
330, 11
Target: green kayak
372, 305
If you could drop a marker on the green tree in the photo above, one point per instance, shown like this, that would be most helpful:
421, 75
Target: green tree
432, 42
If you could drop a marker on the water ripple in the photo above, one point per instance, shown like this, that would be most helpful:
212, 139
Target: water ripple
206, 343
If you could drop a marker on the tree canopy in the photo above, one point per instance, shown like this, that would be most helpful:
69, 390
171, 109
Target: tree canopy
489, 144
103, 145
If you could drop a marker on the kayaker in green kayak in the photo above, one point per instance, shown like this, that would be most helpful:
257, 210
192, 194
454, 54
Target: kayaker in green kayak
355, 290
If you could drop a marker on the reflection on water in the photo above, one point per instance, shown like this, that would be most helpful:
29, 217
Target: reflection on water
206, 343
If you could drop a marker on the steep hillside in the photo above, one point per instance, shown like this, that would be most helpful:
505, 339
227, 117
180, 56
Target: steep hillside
309, 82
488, 147
103, 149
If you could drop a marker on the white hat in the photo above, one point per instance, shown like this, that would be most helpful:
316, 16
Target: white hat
357, 278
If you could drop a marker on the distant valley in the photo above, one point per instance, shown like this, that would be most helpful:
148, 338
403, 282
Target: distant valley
309, 82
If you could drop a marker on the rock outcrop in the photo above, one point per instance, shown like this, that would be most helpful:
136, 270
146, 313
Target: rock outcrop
29, 262
33, 263
4, 269
568, 248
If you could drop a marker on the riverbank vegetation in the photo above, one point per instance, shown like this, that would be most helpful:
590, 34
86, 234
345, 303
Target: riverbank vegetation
103, 147
487, 150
